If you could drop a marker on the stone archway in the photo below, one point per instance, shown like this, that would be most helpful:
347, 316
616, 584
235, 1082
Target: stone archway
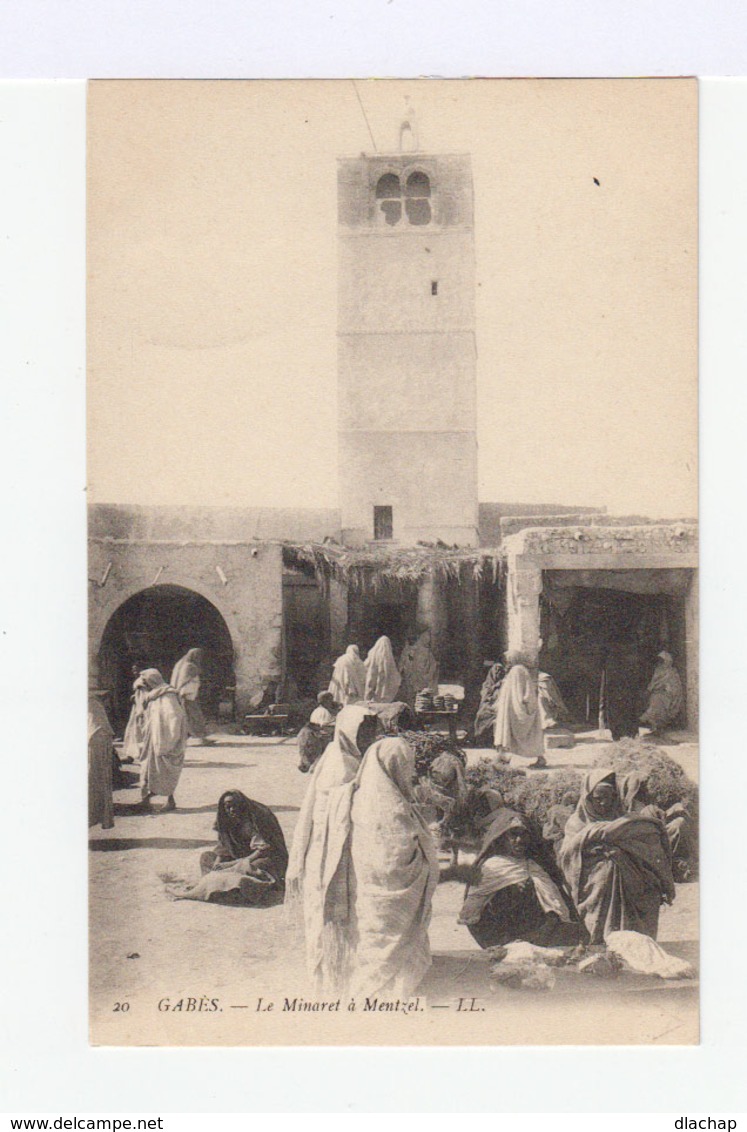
155, 626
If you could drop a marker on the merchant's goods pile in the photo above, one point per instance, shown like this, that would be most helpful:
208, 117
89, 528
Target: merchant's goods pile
425, 701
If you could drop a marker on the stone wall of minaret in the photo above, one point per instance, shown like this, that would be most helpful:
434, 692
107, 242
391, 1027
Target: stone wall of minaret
406, 347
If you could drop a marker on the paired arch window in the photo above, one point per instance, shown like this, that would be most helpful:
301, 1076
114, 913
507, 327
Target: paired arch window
416, 198
389, 195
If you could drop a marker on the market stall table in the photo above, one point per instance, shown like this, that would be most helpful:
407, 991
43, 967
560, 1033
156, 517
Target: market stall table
441, 715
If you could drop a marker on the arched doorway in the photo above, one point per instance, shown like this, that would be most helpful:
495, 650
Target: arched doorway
153, 629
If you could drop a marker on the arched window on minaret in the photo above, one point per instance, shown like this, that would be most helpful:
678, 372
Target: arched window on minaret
389, 194
417, 198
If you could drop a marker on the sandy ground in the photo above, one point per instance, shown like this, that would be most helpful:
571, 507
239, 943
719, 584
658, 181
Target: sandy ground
220, 967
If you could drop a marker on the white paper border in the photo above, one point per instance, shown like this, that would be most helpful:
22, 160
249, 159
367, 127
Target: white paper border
47, 1065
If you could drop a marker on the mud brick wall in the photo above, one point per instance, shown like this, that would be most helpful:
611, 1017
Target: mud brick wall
242, 580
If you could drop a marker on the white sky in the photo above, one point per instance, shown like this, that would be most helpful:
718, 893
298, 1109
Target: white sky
212, 286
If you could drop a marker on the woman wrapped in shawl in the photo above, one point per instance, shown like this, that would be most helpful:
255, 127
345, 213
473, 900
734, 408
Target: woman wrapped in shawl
163, 726
418, 668
485, 718
678, 822
314, 736
382, 675
248, 864
133, 736
552, 708
448, 785
100, 760
518, 722
516, 891
618, 866
444, 792
665, 696
348, 683
186, 680
318, 877
395, 871
556, 819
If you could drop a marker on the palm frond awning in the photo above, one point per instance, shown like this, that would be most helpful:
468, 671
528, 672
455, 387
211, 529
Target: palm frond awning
373, 568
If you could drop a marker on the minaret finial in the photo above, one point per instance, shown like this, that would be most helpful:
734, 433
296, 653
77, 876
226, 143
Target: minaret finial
408, 131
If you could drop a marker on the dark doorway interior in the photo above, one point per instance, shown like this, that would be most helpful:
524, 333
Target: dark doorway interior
306, 626
491, 621
153, 629
588, 632
390, 612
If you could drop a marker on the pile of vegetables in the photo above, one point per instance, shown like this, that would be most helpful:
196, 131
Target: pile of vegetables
428, 745
666, 780
532, 795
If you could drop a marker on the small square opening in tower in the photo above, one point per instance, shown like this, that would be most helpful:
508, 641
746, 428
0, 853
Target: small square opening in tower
434, 287
383, 523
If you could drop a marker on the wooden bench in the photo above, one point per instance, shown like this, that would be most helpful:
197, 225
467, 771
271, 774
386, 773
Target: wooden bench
264, 724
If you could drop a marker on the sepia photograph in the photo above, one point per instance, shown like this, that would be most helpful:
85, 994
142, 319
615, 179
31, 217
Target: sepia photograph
393, 562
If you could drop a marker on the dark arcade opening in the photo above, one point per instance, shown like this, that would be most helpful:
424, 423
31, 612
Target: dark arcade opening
390, 611
306, 632
595, 636
153, 629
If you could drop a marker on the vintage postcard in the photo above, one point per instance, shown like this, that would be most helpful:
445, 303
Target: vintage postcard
393, 569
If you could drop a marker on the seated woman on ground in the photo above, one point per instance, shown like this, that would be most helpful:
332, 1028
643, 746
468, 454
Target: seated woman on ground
516, 891
618, 865
248, 864
666, 697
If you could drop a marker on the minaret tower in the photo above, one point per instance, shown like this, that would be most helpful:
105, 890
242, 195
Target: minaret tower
406, 347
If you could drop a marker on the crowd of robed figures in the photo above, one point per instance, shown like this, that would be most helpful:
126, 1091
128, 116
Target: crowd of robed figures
363, 867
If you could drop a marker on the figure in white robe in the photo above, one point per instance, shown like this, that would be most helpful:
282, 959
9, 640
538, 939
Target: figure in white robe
318, 877
382, 675
395, 869
348, 683
186, 679
164, 730
518, 721
325, 713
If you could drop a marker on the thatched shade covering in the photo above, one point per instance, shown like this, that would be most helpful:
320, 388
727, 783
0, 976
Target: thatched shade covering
372, 569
